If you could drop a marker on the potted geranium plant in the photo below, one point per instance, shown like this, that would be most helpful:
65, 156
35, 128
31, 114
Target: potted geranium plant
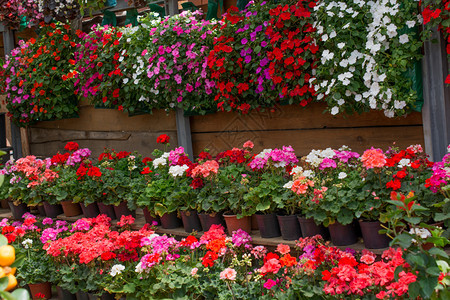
272, 171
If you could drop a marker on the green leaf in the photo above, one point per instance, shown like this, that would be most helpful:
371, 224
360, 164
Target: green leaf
257, 49
434, 271
441, 216
21, 294
438, 252
4, 282
413, 220
428, 284
3, 240
19, 261
7, 296
404, 240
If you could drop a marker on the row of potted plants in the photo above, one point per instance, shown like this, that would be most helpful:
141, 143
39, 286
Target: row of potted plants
273, 52
331, 188
92, 257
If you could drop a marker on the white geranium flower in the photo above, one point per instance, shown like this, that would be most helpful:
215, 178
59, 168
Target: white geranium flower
403, 39
342, 175
309, 174
404, 162
116, 269
288, 185
296, 170
178, 171
421, 232
327, 153
27, 243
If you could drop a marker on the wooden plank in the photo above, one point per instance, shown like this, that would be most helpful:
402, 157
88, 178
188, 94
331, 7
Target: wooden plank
25, 35
436, 109
40, 135
303, 141
92, 119
142, 142
295, 117
24, 137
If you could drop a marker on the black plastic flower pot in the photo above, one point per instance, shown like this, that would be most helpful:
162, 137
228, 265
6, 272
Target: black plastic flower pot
268, 225
149, 219
170, 221
122, 210
41, 210
343, 235
107, 210
289, 227
65, 294
310, 228
191, 222
82, 295
90, 211
52, 210
18, 210
373, 239
207, 220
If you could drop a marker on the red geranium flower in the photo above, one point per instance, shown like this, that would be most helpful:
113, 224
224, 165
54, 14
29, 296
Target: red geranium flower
163, 139
94, 172
71, 146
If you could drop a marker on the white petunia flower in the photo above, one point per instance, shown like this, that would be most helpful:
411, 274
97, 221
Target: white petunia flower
341, 45
410, 24
403, 39
335, 110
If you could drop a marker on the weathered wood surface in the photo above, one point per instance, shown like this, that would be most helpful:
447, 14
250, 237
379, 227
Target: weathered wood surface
304, 129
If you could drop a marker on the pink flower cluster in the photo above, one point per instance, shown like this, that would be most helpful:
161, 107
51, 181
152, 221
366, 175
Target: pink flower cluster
278, 158
206, 169
441, 175
35, 170
373, 158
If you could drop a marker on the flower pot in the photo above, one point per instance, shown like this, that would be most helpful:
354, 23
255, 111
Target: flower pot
233, 223
39, 289
82, 295
310, 228
254, 223
191, 222
122, 210
268, 225
107, 210
90, 211
107, 296
64, 294
372, 239
342, 235
71, 209
289, 227
170, 221
52, 210
18, 210
210, 219
41, 210
4, 203
149, 218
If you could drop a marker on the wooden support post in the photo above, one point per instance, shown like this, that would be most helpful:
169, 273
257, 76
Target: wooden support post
9, 43
436, 109
183, 122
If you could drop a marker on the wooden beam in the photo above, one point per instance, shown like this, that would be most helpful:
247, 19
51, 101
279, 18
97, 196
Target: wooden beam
436, 109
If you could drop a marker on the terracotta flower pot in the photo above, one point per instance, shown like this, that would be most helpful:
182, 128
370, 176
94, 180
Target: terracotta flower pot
268, 225
310, 228
39, 290
343, 235
90, 211
233, 223
18, 210
191, 222
210, 219
372, 239
122, 210
149, 218
170, 221
107, 210
289, 227
71, 209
